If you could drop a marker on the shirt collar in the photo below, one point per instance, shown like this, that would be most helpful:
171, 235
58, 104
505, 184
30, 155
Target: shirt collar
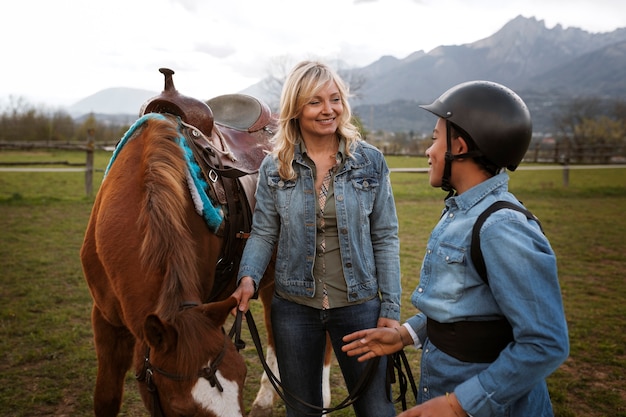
341, 152
474, 195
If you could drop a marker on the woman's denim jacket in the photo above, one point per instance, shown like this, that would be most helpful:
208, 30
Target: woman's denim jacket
285, 214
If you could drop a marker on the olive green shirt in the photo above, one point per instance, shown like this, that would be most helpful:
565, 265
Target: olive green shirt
327, 269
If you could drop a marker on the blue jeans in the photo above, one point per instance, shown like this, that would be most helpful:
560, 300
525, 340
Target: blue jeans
300, 340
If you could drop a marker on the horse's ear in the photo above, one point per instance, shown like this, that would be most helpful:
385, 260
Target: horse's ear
219, 311
159, 334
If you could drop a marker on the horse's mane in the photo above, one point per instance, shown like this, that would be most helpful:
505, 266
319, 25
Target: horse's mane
167, 245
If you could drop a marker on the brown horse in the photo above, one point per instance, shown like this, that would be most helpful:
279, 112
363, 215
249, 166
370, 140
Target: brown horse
147, 256
160, 268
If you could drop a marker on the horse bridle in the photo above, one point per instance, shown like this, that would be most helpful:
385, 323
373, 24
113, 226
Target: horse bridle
395, 363
146, 375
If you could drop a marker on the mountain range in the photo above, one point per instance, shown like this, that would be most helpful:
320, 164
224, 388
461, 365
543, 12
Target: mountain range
546, 67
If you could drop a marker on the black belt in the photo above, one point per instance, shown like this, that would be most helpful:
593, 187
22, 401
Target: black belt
471, 341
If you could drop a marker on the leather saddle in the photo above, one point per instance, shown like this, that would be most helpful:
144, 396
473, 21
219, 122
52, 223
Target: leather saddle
235, 127
241, 112
229, 136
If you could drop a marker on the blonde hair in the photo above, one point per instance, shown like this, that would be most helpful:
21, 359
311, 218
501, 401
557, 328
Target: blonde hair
303, 82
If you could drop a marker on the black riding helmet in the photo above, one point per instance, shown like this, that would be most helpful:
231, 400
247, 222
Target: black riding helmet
495, 118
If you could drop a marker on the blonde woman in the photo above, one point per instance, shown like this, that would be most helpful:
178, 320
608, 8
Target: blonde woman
324, 199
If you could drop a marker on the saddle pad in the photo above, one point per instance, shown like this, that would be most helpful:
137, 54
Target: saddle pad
212, 213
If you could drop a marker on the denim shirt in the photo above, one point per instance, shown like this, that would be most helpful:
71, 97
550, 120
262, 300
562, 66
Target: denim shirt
523, 287
366, 221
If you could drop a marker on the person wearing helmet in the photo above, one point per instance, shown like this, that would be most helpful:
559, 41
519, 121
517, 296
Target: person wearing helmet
488, 344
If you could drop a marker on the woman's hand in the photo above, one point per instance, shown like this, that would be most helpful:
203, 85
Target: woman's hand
243, 293
442, 406
370, 343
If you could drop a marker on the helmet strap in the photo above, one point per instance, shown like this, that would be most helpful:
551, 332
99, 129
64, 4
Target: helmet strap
447, 169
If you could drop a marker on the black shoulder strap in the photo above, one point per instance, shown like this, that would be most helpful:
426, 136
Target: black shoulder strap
476, 252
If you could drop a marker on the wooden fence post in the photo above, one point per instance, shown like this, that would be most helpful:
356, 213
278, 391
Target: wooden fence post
565, 175
89, 162
565, 158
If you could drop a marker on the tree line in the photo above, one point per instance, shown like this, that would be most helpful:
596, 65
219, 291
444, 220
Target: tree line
591, 128
586, 130
21, 121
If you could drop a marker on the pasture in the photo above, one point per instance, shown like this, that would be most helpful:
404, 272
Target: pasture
47, 361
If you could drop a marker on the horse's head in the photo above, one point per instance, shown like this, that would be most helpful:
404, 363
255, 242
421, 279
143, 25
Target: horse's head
191, 367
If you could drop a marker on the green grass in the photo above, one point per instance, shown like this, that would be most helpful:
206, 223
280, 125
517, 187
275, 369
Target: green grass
47, 359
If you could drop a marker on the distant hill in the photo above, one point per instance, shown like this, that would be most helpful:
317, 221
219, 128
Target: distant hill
544, 66
521, 55
601, 72
113, 101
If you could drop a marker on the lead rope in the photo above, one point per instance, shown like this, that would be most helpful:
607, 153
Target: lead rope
235, 332
395, 362
280, 390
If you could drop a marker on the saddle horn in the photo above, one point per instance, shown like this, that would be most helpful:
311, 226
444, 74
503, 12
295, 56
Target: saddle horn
190, 110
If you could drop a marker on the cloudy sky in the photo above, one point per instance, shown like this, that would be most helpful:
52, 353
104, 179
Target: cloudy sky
57, 52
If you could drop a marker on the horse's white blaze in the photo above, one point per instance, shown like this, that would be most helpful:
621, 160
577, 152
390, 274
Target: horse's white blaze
223, 404
265, 397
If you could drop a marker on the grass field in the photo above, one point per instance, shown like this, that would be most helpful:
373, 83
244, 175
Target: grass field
47, 361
